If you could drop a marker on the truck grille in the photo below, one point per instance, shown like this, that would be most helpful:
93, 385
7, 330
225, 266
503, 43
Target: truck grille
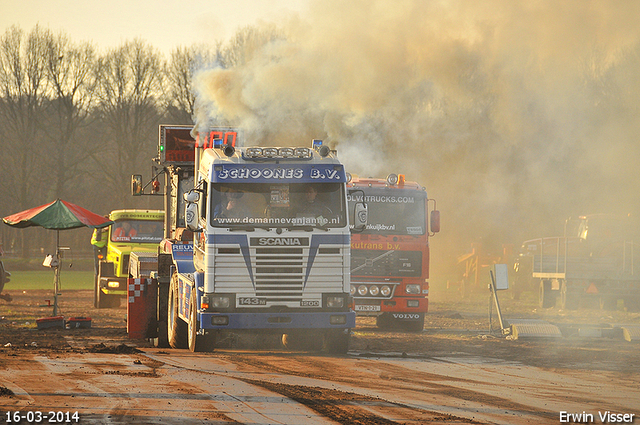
390, 263
279, 273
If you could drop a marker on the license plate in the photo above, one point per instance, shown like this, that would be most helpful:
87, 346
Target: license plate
367, 308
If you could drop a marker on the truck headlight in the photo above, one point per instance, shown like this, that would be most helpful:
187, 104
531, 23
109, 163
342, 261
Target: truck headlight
221, 301
385, 291
352, 290
113, 284
362, 290
374, 290
335, 301
412, 289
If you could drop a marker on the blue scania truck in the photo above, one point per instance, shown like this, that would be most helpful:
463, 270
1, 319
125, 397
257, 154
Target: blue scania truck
257, 240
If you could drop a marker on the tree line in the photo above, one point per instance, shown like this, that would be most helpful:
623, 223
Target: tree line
76, 123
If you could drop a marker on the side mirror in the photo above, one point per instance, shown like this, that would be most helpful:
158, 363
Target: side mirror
191, 210
192, 196
191, 216
434, 221
136, 185
361, 217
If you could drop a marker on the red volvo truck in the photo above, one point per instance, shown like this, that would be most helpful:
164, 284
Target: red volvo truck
390, 257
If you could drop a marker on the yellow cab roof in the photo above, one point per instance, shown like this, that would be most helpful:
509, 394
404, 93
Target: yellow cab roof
133, 214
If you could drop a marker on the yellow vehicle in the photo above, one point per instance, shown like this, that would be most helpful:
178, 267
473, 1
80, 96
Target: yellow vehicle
133, 231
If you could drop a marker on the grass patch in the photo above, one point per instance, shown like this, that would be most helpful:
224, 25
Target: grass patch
32, 280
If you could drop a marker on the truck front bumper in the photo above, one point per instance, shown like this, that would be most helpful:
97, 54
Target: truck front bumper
375, 307
276, 321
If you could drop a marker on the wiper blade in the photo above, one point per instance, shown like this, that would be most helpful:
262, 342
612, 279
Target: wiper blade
242, 228
305, 228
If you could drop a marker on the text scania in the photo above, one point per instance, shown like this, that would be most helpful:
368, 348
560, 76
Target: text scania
279, 241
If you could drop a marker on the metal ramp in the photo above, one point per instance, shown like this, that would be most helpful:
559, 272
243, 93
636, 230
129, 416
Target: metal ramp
631, 332
533, 328
518, 328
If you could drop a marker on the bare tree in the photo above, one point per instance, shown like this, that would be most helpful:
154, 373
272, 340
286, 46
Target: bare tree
129, 88
23, 92
246, 42
71, 72
179, 96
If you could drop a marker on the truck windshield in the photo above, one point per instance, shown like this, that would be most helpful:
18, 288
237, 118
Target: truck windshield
137, 231
392, 211
278, 205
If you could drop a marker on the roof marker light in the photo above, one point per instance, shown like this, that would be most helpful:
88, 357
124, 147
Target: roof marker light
392, 179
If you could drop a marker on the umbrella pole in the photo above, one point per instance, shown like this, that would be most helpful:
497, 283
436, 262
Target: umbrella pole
56, 275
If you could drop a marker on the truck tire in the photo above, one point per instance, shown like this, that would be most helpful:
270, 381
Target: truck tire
546, 297
414, 325
309, 341
197, 342
383, 321
176, 327
337, 341
162, 341
569, 299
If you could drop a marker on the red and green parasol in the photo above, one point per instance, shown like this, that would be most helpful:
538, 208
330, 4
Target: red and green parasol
57, 215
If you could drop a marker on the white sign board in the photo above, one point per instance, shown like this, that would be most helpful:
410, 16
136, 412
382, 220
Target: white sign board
502, 276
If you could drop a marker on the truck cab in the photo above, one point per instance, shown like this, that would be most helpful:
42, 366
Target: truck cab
133, 231
270, 252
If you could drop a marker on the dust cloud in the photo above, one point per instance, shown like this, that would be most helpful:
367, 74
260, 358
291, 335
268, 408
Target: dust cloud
514, 115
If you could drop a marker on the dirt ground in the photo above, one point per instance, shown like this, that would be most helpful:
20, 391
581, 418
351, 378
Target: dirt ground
453, 327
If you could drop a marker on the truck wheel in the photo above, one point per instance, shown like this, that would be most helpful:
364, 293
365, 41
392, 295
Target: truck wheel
337, 342
197, 342
546, 298
176, 327
413, 326
310, 341
569, 299
162, 341
383, 321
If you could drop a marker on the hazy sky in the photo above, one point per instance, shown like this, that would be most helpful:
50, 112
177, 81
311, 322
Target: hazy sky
165, 24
